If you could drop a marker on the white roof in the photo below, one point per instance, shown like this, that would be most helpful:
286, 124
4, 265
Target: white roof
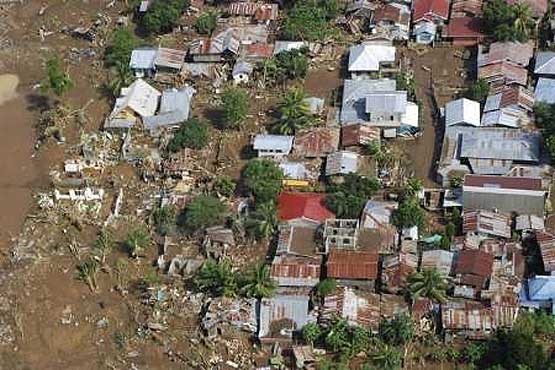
386, 102
283, 143
367, 57
545, 63
462, 111
141, 98
142, 58
410, 117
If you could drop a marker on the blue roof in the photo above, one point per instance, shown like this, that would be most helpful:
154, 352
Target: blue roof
541, 288
545, 90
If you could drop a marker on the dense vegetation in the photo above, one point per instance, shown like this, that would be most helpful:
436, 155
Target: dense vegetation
347, 199
235, 107
163, 15
508, 22
545, 120
193, 133
57, 80
263, 179
203, 211
310, 20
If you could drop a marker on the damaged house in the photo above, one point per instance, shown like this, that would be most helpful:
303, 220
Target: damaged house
223, 316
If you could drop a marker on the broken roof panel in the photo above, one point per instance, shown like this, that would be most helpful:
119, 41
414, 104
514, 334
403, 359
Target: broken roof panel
317, 142
368, 57
358, 308
296, 271
546, 242
487, 222
438, 259
175, 107
357, 134
289, 312
341, 163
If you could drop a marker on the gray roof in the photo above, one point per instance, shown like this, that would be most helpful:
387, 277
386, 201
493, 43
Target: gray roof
506, 117
175, 108
501, 144
242, 67
142, 58
341, 163
294, 170
386, 102
522, 202
353, 108
545, 90
369, 56
462, 111
493, 102
283, 143
545, 63
291, 307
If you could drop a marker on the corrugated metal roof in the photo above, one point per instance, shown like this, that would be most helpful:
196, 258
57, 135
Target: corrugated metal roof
296, 271
487, 222
341, 163
353, 107
545, 63
317, 142
462, 111
175, 107
353, 135
170, 58
545, 90
142, 58
283, 143
510, 51
386, 102
503, 182
291, 310
438, 259
368, 57
429, 10
347, 264
546, 242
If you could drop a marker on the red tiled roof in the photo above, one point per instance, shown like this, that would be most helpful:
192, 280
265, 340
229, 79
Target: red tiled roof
428, 9
346, 264
474, 262
303, 205
464, 27
503, 182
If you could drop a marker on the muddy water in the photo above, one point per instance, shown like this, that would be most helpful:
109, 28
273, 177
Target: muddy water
18, 170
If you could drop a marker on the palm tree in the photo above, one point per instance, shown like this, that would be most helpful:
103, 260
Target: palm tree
217, 278
103, 245
121, 77
137, 240
428, 283
522, 19
86, 271
262, 223
295, 112
258, 283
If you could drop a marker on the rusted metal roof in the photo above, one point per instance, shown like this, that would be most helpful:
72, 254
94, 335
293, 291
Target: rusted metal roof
505, 182
317, 142
357, 265
296, 271
486, 222
353, 135
396, 270
461, 8
546, 242
170, 58
474, 267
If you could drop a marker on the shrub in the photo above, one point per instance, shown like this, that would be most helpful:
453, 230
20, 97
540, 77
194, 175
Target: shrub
235, 107
263, 179
192, 134
203, 211
121, 44
206, 23
163, 15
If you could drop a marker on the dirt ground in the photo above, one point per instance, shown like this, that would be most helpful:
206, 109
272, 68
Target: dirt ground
446, 71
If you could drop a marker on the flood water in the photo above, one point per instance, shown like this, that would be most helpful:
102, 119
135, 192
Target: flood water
18, 169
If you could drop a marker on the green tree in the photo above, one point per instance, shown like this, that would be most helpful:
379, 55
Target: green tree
192, 133
257, 282
163, 15
397, 331
103, 245
203, 211
337, 338
385, 357
311, 333
372, 148
121, 76
87, 271
164, 219
292, 64
224, 186
514, 349
412, 187
294, 111
137, 240
235, 107
348, 198
326, 287
57, 80
121, 44
309, 21
508, 22
263, 179
217, 278
408, 214
206, 23
522, 20
262, 223
428, 283
478, 91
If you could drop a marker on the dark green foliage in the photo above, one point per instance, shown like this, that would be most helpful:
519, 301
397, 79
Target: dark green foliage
428, 283
203, 211
137, 240
163, 15
406, 82
192, 133
263, 179
397, 331
384, 357
310, 20
206, 23
121, 44
508, 22
372, 148
217, 278
514, 349
262, 222
478, 91
311, 332
473, 352
224, 186
294, 111
57, 80
345, 339
121, 76
348, 198
536, 324
257, 283
235, 107
164, 219
286, 65
326, 287
545, 119
409, 214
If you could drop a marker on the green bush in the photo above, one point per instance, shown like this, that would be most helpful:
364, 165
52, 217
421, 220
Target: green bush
348, 198
235, 107
203, 211
121, 44
192, 134
263, 179
310, 20
163, 15
206, 23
